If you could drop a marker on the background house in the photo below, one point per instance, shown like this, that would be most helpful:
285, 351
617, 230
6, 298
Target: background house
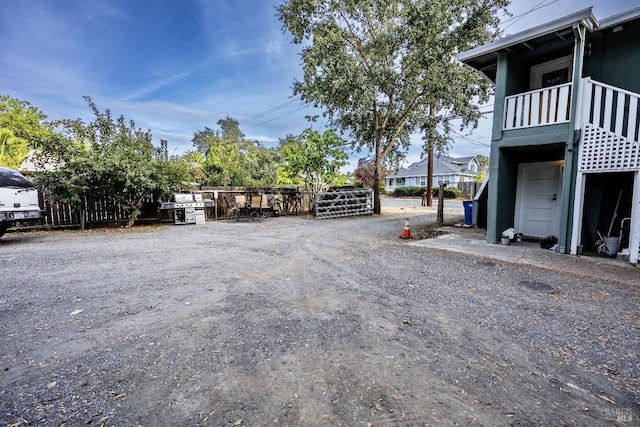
445, 169
565, 152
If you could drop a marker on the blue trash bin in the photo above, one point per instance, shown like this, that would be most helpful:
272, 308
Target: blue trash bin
468, 211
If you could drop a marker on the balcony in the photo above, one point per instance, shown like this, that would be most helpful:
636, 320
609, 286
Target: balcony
541, 107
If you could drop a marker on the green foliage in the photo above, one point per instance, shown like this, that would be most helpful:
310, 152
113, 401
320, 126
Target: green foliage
315, 159
261, 166
107, 157
380, 68
230, 159
408, 191
283, 177
22, 128
483, 167
173, 176
449, 192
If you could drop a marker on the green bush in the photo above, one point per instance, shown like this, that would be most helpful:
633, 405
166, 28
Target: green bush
449, 192
408, 191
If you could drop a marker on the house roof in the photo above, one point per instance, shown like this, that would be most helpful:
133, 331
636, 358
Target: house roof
620, 18
552, 35
442, 165
554, 29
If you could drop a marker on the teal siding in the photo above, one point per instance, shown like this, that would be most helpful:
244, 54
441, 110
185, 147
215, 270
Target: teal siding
614, 58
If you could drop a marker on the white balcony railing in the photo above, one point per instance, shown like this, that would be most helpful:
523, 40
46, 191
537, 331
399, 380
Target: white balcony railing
540, 107
610, 129
611, 108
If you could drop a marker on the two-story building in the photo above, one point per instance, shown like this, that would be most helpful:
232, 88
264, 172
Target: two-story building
565, 151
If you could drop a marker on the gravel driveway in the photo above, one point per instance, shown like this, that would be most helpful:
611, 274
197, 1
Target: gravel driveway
294, 321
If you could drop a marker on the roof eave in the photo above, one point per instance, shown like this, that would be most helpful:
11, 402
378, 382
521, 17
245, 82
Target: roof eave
620, 18
584, 16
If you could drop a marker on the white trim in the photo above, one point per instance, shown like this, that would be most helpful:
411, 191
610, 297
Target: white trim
585, 16
538, 70
620, 18
634, 234
578, 206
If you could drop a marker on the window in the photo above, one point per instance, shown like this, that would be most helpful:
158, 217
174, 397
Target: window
442, 179
400, 182
552, 73
421, 181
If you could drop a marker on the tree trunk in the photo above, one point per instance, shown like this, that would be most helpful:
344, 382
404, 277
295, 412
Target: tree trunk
376, 175
430, 176
376, 190
133, 216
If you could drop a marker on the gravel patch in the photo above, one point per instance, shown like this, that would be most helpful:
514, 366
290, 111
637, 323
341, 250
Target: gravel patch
295, 321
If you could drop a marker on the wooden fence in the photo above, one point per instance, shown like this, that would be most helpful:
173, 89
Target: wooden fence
105, 211
293, 201
468, 189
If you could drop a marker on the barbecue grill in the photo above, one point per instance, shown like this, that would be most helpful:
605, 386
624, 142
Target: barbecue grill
187, 208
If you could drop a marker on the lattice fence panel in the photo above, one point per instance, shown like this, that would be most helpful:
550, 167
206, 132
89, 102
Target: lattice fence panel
604, 151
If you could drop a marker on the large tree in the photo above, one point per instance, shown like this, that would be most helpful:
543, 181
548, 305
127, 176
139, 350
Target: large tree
383, 69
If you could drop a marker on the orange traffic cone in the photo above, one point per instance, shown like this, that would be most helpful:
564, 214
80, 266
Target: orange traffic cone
406, 232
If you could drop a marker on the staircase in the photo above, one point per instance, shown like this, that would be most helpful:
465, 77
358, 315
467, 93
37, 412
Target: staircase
610, 129
609, 143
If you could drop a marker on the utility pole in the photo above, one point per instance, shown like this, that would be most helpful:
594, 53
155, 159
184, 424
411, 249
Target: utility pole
430, 139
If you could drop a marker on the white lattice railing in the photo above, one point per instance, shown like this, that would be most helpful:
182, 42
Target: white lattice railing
610, 131
539, 107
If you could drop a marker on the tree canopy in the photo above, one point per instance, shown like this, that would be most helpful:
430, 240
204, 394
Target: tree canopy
22, 128
228, 158
383, 69
314, 158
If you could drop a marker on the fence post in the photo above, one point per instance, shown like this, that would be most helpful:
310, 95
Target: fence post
440, 216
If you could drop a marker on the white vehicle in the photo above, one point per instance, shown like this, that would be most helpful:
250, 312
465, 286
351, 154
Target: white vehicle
18, 200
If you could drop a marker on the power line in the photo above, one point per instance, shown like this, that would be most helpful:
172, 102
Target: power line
471, 140
276, 118
466, 138
269, 111
536, 7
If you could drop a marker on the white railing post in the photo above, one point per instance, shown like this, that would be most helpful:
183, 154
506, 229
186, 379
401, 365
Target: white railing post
538, 107
585, 101
634, 235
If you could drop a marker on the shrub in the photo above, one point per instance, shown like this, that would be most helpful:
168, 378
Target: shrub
449, 192
408, 192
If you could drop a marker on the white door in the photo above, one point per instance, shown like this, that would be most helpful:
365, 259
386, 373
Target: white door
538, 198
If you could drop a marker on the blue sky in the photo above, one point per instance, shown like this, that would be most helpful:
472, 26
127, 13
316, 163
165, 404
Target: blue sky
175, 67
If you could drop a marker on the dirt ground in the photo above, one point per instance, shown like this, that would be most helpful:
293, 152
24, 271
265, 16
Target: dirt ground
295, 321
